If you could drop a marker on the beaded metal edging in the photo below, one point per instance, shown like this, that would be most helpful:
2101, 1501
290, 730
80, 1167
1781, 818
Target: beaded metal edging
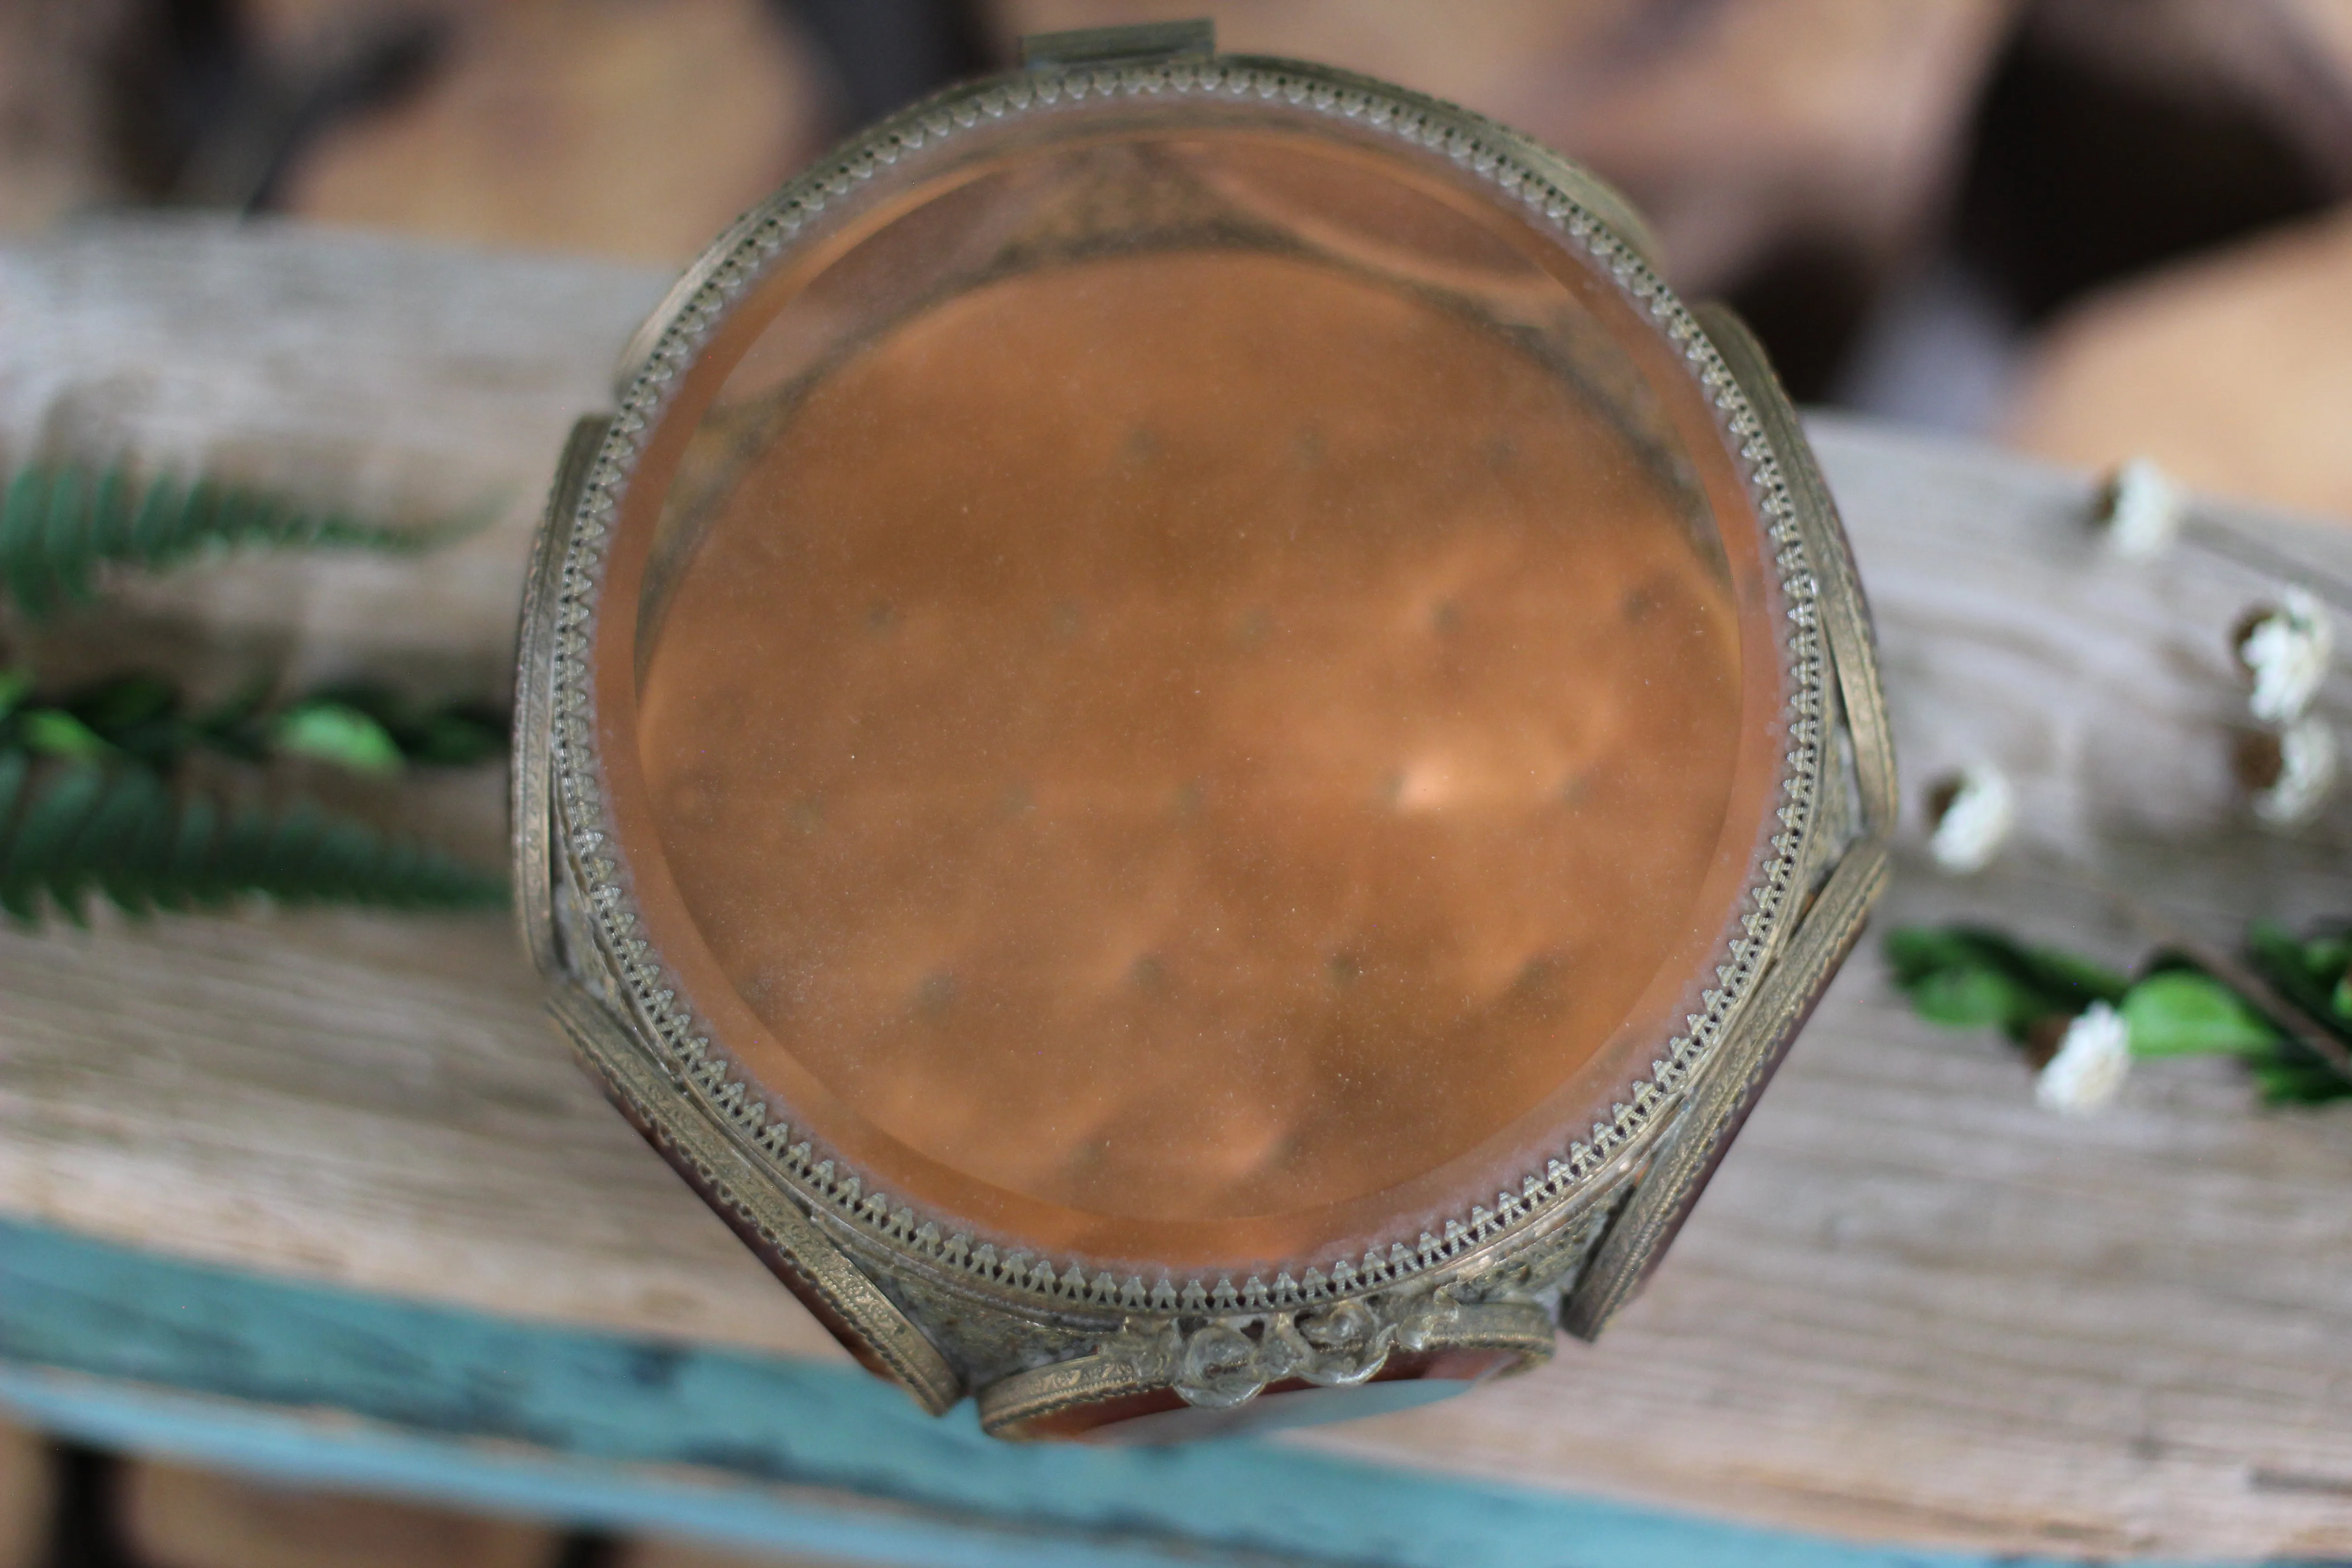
740, 260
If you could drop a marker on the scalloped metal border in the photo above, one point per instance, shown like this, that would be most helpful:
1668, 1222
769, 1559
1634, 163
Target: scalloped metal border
677, 333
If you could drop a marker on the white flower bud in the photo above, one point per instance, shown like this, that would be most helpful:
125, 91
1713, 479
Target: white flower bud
2287, 651
2300, 765
2088, 1070
1974, 822
2144, 511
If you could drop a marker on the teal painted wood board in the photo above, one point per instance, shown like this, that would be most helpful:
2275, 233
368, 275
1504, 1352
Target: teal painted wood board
323, 1387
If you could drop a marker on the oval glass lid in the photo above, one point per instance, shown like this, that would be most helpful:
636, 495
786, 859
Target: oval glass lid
1189, 692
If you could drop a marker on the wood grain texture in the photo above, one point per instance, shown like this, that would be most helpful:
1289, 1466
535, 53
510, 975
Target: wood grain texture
1911, 1306
412, 383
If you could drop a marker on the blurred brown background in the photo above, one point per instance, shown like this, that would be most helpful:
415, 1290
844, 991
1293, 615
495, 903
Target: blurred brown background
2093, 228
2090, 228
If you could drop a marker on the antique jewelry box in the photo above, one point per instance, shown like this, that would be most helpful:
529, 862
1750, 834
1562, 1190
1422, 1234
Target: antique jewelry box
1189, 746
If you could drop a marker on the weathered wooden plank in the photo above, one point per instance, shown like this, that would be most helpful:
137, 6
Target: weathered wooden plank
371, 1100
1911, 1308
410, 382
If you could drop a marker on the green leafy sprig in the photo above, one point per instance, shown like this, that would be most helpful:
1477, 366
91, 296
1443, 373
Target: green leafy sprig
148, 718
1974, 978
2313, 973
87, 804
61, 523
93, 800
68, 831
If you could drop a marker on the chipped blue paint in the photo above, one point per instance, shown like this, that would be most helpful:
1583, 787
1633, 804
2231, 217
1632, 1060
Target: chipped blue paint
139, 1351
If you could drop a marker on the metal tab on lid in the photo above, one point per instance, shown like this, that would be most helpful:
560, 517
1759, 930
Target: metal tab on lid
1119, 45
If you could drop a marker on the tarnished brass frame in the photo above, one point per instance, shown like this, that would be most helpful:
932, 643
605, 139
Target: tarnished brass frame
938, 1312
585, 1002
1845, 857
780, 1231
531, 782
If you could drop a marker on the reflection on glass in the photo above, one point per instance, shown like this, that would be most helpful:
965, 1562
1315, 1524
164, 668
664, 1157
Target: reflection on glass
1190, 687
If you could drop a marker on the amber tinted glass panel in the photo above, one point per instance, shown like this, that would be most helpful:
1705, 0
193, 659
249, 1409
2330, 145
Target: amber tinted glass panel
1185, 680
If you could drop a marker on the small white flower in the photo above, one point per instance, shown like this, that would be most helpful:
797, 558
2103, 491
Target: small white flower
1975, 822
2287, 651
2144, 510
2305, 774
2088, 1070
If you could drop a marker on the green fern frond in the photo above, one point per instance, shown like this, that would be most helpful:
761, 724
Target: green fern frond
68, 831
61, 523
146, 716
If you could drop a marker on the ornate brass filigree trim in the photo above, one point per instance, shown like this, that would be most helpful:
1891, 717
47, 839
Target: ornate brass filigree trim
1221, 1363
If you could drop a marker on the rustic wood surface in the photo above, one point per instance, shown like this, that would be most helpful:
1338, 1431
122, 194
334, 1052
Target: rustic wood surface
1911, 1306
